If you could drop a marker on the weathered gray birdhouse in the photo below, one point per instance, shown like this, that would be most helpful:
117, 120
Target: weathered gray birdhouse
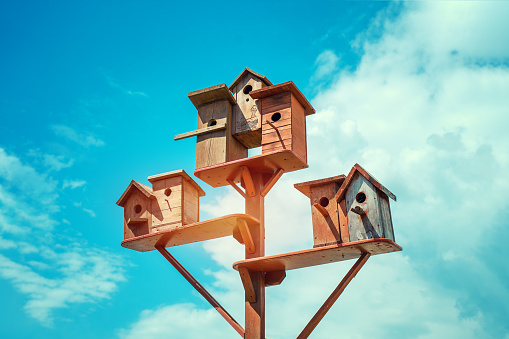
172, 201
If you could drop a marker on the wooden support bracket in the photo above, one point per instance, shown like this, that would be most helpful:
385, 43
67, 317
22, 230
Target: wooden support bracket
272, 181
237, 188
274, 278
200, 131
334, 296
246, 236
321, 209
248, 284
248, 181
202, 290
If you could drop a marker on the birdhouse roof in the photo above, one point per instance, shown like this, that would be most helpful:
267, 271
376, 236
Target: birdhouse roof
357, 168
246, 71
305, 187
288, 86
177, 173
147, 191
211, 94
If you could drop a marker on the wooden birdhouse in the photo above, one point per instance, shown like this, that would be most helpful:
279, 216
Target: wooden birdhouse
247, 127
215, 143
172, 201
283, 111
327, 228
366, 204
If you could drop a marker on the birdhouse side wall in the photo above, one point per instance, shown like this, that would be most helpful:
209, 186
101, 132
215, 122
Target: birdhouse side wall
326, 230
385, 212
299, 129
247, 127
219, 146
137, 215
167, 207
191, 204
368, 225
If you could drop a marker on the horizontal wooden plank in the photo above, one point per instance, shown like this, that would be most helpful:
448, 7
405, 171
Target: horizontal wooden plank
304, 187
281, 88
200, 131
211, 94
199, 231
318, 256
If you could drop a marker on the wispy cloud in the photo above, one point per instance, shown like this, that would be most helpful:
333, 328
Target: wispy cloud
84, 139
72, 184
51, 161
116, 85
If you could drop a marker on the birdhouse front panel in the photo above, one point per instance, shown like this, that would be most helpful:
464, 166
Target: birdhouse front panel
137, 214
247, 127
218, 146
368, 210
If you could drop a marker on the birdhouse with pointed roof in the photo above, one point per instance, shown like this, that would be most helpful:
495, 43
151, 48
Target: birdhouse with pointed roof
247, 127
172, 201
366, 205
215, 143
283, 112
329, 226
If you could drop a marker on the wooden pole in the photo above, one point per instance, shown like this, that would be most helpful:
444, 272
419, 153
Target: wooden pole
255, 312
334, 296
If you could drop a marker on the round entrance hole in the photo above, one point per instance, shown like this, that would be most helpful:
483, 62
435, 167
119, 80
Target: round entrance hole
324, 201
248, 89
137, 209
360, 197
276, 116
167, 192
212, 122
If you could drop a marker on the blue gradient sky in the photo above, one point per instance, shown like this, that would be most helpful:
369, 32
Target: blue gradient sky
92, 93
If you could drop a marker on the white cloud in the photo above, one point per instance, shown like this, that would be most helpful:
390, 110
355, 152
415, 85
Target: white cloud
326, 64
53, 162
115, 84
72, 184
84, 139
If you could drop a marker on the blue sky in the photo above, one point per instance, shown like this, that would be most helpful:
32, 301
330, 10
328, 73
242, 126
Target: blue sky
92, 93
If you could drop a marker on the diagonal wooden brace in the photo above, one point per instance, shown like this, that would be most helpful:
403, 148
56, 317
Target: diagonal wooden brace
201, 290
246, 236
237, 188
334, 296
248, 284
272, 181
248, 181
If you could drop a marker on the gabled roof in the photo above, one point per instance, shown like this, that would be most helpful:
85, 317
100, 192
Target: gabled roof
357, 168
177, 173
147, 191
211, 94
305, 187
247, 70
288, 86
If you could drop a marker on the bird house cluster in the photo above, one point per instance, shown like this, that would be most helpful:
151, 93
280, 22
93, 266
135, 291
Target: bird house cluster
250, 113
349, 208
172, 201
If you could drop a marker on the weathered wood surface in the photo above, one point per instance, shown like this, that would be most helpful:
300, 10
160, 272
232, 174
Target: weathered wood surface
281, 88
218, 175
210, 94
200, 231
318, 256
200, 131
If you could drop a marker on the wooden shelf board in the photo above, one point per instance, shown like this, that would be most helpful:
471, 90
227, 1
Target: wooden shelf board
318, 256
217, 175
199, 231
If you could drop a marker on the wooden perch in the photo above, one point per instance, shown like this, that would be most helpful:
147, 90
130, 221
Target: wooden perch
200, 131
358, 210
321, 209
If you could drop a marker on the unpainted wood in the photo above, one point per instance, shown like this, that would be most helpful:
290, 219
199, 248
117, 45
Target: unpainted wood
386, 216
274, 278
247, 181
199, 132
326, 229
369, 225
318, 255
299, 142
272, 181
200, 231
248, 285
247, 239
210, 94
191, 204
137, 198
281, 88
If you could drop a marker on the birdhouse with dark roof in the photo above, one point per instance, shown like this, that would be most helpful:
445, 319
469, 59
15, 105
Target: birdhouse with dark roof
283, 112
366, 205
329, 226
215, 143
247, 127
172, 201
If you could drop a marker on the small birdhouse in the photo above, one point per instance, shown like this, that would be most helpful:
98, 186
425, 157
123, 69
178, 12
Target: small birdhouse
327, 229
283, 111
366, 204
172, 201
215, 143
247, 127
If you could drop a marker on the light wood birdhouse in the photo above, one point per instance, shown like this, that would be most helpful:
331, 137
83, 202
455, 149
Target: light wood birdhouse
172, 201
366, 204
247, 126
283, 110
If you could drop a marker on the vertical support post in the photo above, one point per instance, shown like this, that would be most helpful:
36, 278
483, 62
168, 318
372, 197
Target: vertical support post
255, 312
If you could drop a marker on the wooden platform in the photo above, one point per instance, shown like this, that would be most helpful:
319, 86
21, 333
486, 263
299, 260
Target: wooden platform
317, 256
216, 176
199, 231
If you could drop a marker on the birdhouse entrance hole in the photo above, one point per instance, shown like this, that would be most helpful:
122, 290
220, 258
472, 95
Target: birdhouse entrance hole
167, 192
212, 122
360, 197
276, 116
248, 89
324, 202
137, 209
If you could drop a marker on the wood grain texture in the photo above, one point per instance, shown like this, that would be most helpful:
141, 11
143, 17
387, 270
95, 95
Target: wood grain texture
326, 229
200, 132
281, 88
210, 94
